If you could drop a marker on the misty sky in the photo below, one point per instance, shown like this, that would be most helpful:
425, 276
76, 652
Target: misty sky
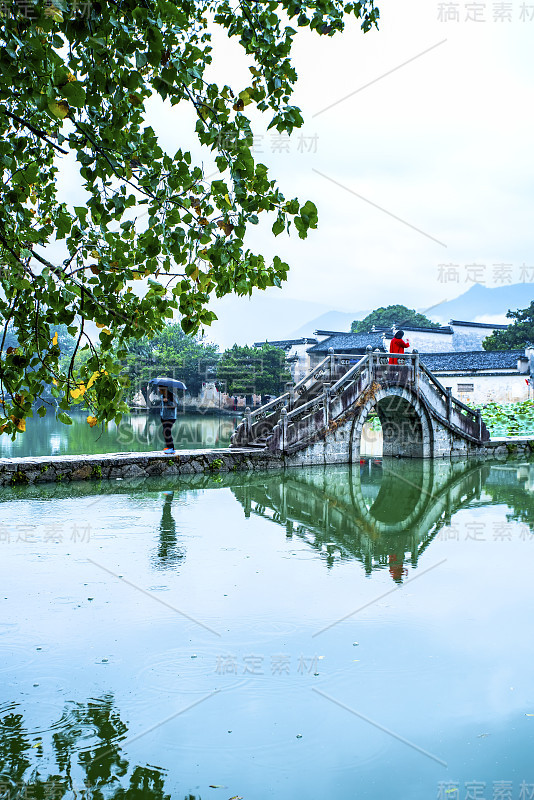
416, 149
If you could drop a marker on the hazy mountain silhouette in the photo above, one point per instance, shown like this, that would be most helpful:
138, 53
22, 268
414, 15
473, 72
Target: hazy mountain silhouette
482, 304
330, 321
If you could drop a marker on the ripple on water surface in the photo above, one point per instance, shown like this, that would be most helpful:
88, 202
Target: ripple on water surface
82, 723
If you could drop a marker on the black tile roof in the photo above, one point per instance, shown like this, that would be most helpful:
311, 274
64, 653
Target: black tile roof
286, 343
489, 325
349, 343
330, 333
472, 360
405, 326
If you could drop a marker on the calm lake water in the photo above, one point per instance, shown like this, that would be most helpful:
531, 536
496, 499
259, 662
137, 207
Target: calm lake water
139, 432
323, 633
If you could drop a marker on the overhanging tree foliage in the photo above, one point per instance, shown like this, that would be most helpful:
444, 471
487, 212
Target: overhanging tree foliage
74, 84
392, 315
519, 333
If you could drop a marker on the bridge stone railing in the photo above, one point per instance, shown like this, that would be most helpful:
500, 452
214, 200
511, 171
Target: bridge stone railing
258, 424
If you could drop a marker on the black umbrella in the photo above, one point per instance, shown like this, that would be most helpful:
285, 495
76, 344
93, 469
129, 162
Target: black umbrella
167, 383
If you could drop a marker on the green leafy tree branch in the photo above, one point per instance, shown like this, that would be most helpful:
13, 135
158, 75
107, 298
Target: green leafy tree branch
74, 86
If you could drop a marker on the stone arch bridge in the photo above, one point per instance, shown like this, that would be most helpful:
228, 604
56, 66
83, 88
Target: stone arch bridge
320, 419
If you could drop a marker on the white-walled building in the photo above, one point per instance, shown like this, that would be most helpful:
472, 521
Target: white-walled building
479, 376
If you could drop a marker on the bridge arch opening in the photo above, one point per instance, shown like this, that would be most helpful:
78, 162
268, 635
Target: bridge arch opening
402, 428
371, 444
405, 425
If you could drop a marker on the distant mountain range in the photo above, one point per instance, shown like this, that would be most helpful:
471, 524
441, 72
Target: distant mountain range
478, 304
481, 304
330, 321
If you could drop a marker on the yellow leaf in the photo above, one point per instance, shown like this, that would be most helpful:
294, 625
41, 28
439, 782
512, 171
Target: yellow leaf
227, 198
100, 324
92, 421
59, 108
245, 97
71, 78
194, 274
54, 13
94, 254
54, 340
92, 379
75, 393
106, 330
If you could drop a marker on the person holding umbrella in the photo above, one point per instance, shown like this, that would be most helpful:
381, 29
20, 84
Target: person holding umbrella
168, 409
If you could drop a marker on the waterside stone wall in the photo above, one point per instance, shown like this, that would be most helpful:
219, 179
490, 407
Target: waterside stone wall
113, 466
110, 466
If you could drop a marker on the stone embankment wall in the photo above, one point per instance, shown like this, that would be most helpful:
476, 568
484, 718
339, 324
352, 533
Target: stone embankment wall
58, 469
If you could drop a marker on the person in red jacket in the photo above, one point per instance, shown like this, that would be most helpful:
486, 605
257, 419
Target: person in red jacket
397, 345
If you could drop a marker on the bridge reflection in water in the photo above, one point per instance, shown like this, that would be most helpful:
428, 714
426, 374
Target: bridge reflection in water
383, 512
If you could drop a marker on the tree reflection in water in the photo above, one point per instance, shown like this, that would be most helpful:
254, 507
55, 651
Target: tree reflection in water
86, 747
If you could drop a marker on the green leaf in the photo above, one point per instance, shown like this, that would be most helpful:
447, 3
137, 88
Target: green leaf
278, 226
75, 94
